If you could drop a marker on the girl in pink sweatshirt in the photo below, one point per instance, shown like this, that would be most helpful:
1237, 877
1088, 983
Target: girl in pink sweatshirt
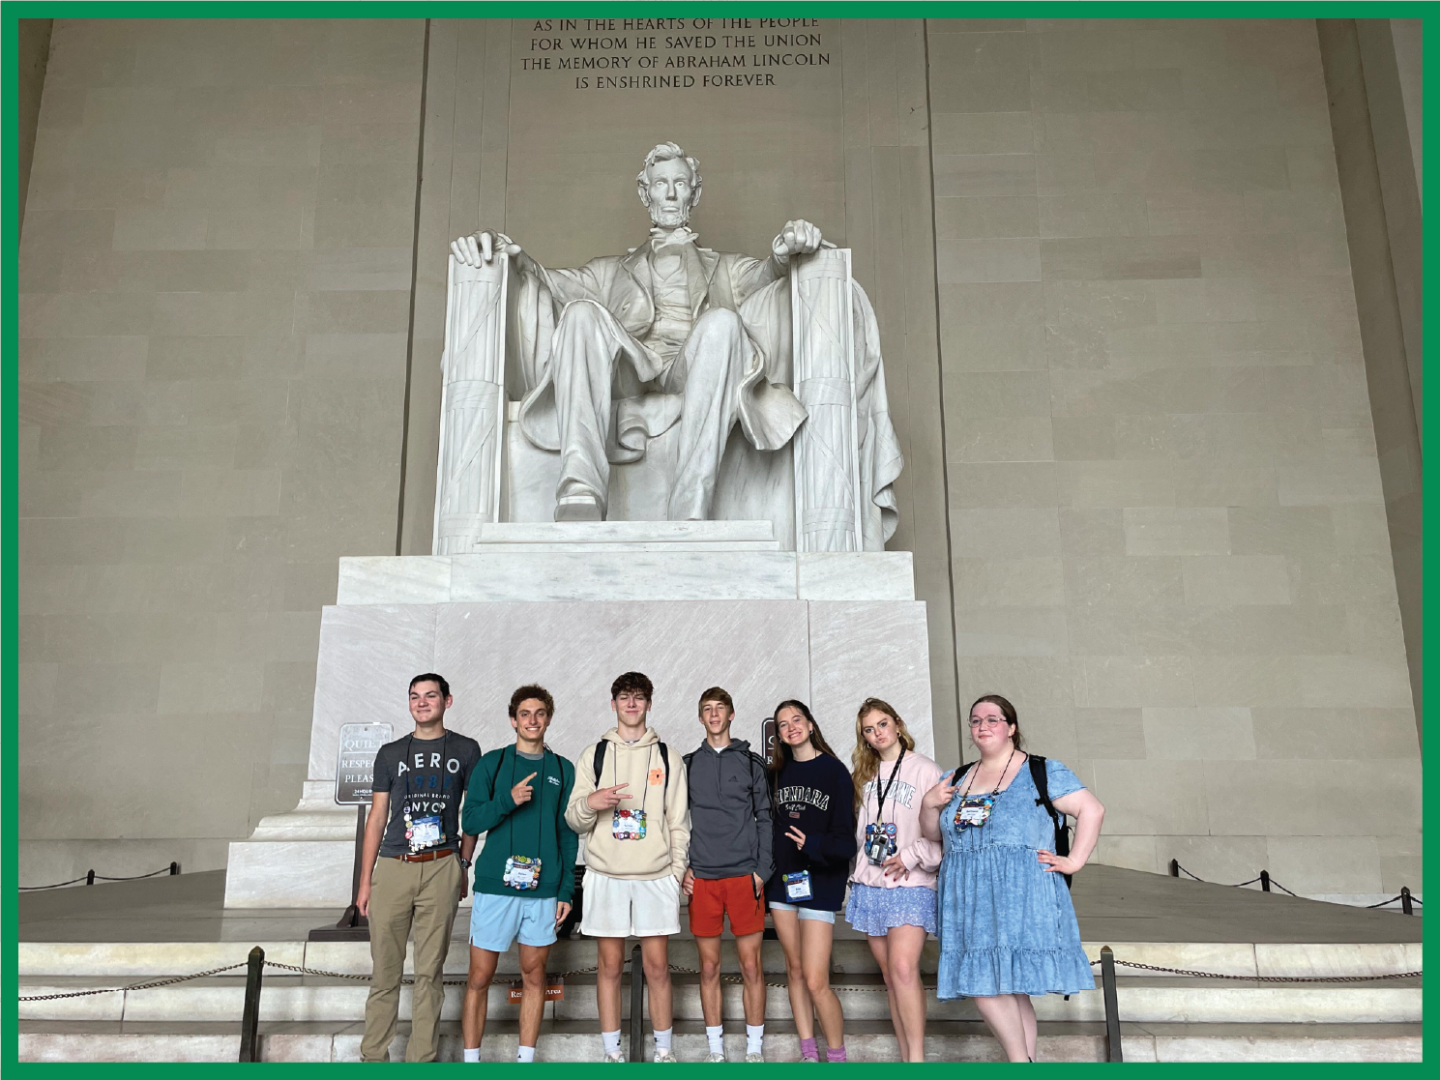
892, 890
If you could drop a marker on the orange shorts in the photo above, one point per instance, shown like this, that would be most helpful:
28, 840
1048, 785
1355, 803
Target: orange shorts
733, 896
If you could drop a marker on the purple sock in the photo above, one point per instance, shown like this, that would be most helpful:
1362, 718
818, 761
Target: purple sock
835, 1053
808, 1049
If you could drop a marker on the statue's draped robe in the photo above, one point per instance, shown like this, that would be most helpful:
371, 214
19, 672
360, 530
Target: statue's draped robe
768, 411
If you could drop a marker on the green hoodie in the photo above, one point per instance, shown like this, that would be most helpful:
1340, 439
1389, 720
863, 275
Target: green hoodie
537, 828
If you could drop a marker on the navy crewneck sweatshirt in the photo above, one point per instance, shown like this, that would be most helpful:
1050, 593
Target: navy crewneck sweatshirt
818, 798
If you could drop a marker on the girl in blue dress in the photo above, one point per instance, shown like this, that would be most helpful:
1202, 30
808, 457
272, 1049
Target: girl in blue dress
1007, 928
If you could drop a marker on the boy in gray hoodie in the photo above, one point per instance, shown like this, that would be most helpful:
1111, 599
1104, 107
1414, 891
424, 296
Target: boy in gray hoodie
730, 861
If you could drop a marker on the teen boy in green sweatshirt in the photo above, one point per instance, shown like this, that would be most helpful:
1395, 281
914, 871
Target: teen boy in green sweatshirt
525, 874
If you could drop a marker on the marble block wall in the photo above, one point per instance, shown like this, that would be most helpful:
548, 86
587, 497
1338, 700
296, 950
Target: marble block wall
1165, 505
214, 290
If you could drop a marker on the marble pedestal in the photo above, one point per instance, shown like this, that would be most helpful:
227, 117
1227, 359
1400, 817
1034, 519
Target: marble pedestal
692, 604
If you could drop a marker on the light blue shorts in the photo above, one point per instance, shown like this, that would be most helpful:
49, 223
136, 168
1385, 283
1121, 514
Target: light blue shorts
805, 912
496, 922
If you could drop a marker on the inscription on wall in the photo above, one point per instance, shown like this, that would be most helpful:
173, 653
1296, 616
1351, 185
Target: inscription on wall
673, 54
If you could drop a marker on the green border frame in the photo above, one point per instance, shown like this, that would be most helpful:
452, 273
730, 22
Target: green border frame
413, 9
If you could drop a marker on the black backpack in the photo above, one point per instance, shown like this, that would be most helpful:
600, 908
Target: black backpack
599, 763
1042, 788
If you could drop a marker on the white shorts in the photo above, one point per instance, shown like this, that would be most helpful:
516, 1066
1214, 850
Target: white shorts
618, 907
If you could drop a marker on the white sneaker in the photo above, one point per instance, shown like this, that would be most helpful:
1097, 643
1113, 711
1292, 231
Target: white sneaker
713, 1056
616, 1058
666, 1057
754, 1059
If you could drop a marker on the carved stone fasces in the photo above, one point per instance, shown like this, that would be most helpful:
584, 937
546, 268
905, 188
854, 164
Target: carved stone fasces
467, 486
827, 456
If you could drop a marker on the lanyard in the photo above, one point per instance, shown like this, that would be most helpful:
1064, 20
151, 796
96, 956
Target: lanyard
444, 757
881, 796
615, 773
965, 794
540, 824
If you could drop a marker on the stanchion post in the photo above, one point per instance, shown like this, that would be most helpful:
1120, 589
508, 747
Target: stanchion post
1264, 880
637, 1006
1113, 1051
1174, 867
250, 1017
174, 869
1405, 905
90, 877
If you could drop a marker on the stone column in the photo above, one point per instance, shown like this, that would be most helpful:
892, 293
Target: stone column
472, 410
827, 458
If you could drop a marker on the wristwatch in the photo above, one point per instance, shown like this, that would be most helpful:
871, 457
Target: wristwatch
465, 862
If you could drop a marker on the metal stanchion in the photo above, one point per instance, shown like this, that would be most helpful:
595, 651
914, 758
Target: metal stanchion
1174, 867
637, 1006
1113, 1051
1264, 880
250, 1017
1405, 905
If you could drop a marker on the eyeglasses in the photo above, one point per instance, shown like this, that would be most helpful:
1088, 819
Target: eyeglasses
990, 721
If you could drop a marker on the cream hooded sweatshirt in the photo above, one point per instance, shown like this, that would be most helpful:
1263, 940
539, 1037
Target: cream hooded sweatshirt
666, 845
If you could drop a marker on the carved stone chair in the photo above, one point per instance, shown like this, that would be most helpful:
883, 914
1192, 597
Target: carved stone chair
811, 489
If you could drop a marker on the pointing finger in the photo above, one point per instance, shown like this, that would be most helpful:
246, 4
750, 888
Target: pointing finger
529, 778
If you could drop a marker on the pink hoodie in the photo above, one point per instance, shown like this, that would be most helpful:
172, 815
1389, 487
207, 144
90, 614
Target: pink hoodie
918, 774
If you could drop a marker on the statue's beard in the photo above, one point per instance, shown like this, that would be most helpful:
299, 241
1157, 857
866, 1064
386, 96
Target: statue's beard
670, 217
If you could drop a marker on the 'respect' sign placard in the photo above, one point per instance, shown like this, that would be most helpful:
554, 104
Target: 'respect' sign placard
355, 771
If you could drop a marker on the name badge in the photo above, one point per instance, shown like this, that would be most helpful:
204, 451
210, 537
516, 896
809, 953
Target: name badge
797, 886
522, 872
974, 811
424, 832
628, 825
879, 841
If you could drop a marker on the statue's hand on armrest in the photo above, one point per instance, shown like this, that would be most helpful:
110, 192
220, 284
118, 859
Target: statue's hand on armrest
798, 237
482, 248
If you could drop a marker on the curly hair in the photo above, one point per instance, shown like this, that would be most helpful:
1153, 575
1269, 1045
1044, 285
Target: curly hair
668, 151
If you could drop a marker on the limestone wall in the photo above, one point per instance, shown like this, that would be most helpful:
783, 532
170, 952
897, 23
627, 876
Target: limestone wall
1166, 510
1149, 510
215, 280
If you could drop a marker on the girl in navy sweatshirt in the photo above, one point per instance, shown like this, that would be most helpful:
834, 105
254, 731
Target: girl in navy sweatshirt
814, 820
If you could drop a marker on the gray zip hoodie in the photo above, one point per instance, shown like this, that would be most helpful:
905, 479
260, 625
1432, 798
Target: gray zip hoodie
730, 833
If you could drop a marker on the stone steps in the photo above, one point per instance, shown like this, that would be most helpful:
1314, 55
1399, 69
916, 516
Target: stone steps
1141, 1000
866, 1041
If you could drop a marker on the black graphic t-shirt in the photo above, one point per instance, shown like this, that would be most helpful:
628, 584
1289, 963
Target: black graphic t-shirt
817, 797
429, 774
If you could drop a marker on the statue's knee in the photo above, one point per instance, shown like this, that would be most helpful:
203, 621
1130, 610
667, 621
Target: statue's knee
580, 315
720, 321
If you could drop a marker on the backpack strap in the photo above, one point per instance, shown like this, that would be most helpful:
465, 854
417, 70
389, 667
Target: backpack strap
959, 773
599, 762
689, 760
665, 761
1042, 789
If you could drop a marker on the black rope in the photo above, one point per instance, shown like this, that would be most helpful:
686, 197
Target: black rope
1392, 900
98, 877
1242, 884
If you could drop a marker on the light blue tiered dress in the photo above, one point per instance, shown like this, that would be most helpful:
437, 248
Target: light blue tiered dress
1007, 925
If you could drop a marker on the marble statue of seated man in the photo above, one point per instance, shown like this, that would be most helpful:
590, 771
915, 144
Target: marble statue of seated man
627, 346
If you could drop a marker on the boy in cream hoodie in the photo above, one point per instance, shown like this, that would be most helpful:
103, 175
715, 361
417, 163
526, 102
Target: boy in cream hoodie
634, 818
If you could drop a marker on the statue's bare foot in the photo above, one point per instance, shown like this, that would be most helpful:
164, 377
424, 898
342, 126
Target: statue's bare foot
578, 508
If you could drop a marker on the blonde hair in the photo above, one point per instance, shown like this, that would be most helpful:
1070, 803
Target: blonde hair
865, 759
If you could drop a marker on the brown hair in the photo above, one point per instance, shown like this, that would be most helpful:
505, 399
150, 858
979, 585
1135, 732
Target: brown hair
865, 760
1011, 717
528, 691
632, 682
782, 751
716, 693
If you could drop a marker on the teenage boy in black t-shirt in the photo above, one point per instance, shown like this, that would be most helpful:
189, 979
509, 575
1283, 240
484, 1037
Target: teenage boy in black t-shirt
413, 867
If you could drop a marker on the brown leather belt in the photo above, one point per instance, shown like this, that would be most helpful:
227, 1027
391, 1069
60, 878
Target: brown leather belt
426, 856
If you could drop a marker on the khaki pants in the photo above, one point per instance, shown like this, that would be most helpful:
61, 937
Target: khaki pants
401, 894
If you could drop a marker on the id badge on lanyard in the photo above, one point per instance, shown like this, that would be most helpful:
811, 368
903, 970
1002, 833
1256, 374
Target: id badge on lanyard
974, 811
797, 886
422, 833
628, 824
879, 841
522, 872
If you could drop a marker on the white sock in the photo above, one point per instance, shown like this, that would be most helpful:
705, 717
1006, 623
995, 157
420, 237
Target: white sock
472, 1054
754, 1038
662, 1038
716, 1035
526, 1054
612, 1041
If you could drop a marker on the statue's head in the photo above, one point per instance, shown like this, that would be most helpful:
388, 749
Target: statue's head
669, 184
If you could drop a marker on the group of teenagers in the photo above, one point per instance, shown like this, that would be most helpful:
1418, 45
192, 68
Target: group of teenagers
980, 857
